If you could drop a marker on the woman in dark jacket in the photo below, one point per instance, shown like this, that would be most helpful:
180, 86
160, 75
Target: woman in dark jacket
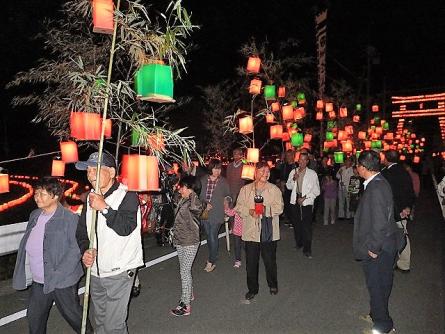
214, 188
186, 239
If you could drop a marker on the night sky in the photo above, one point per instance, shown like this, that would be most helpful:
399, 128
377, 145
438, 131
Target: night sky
407, 36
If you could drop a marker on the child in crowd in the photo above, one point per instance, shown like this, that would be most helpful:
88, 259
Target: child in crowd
237, 229
329, 187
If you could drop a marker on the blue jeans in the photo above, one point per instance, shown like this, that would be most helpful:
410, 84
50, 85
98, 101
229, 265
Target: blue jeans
212, 230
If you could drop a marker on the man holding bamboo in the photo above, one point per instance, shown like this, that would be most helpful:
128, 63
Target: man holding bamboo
118, 249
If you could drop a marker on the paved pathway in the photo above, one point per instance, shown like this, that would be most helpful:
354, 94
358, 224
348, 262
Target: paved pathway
323, 295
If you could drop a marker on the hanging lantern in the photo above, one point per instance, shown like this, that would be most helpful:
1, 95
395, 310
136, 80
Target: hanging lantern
347, 146
329, 107
69, 151
367, 144
376, 144
299, 113
342, 135
108, 128
375, 108
379, 130
103, 20
4, 183
301, 98
85, 125
248, 172
374, 136
154, 83
319, 116
255, 86
140, 172
339, 157
276, 132
343, 112
402, 157
246, 125
320, 104
329, 135
285, 137
281, 91
356, 118
253, 64
358, 107
362, 135
270, 118
416, 159
58, 168
275, 106
307, 138
331, 114
253, 155
288, 112
349, 129
269, 92
297, 139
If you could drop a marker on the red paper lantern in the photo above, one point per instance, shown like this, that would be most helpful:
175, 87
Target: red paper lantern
307, 138
108, 128
347, 146
288, 112
246, 125
416, 159
275, 106
281, 91
375, 108
349, 129
356, 118
319, 116
343, 112
285, 137
85, 125
402, 157
253, 64
253, 155
276, 132
103, 20
299, 113
255, 86
329, 107
367, 144
379, 130
248, 172
342, 135
4, 183
270, 118
69, 151
288, 146
140, 172
58, 168
320, 104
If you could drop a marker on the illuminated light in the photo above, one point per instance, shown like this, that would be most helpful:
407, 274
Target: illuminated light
297, 139
329, 107
156, 142
248, 172
307, 138
331, 114
342, 135
108, 128
376, 144
285, 137
356, 118
388, 136
281, 91
402, 157
255, 86
270, 118
253, 64
287, 112
4, 183
246, 125
343, 112
85, 125
103, 20
375, 108
367, 144
140, 172
362, 135
69, 151
347, 146
358, 107
269, 92
379, 130
414, 114
319, 116
58, 168
329, 136
402, 107
275, 106
154, 83
339, 157
253, 155
320, 104
299, 113
288, 146
276, 132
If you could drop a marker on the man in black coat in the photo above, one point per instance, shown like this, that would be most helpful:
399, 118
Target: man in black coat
374, 240
403, 196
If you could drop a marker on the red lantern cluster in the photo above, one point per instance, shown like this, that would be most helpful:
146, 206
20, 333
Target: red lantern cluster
140, 172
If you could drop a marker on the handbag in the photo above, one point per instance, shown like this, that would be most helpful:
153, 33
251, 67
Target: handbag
266, 228
204, 215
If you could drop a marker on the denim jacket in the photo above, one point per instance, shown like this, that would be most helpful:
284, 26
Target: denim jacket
61, 254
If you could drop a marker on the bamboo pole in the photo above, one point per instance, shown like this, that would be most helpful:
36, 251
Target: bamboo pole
92, 236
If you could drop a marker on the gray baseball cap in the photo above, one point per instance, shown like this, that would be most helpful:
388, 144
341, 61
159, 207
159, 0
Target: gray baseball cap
107, 161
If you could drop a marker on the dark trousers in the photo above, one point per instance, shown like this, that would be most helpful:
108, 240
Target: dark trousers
238, 243
67, 301
268, 252
302, 223
287, 206
379, 277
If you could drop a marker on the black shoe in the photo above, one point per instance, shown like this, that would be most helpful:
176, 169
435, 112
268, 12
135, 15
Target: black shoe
407, 271
250, 295
135, 291
273, 291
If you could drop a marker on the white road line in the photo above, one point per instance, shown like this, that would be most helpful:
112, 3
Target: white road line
21, 314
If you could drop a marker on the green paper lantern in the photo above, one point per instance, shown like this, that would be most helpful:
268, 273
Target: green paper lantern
294, 104
269, 92
135, 135
331, 124
376, 144
301, 97
386, 126
358, 107
357, 154
297, 139
377, 120
339, 157
154, 83
329, 136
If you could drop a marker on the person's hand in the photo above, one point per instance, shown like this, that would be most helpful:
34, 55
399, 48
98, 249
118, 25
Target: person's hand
405, 213
88, 257
253, 213
97, 202
373, 255
301, 200
209, 207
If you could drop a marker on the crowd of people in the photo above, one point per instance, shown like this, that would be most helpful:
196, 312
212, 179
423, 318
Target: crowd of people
376, 194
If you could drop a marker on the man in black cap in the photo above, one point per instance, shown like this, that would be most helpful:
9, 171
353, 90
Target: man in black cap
118, 251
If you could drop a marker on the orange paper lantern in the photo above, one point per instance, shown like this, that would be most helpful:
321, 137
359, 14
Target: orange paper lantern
255, 87
285, 137
275, 106
276, 132
319, 116
141, 172
270, 118
69, 151
402, 157
288, 112
108, 128
299, 113
85, 125
103, 20
58, 168
246, 125
329, 107
342, 135
367, 144
416, 159
248, 172
281, 91
253, 155
356, 118
4, 183
375, 108
343, 112
349, 129
347, 146
320, 104
253, 64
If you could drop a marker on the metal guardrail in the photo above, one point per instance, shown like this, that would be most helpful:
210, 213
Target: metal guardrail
10, 236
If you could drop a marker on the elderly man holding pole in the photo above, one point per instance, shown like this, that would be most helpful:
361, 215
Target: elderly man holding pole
118, 252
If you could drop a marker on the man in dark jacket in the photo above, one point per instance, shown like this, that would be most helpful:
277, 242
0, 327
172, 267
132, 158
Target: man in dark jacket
374, 240
403, 196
